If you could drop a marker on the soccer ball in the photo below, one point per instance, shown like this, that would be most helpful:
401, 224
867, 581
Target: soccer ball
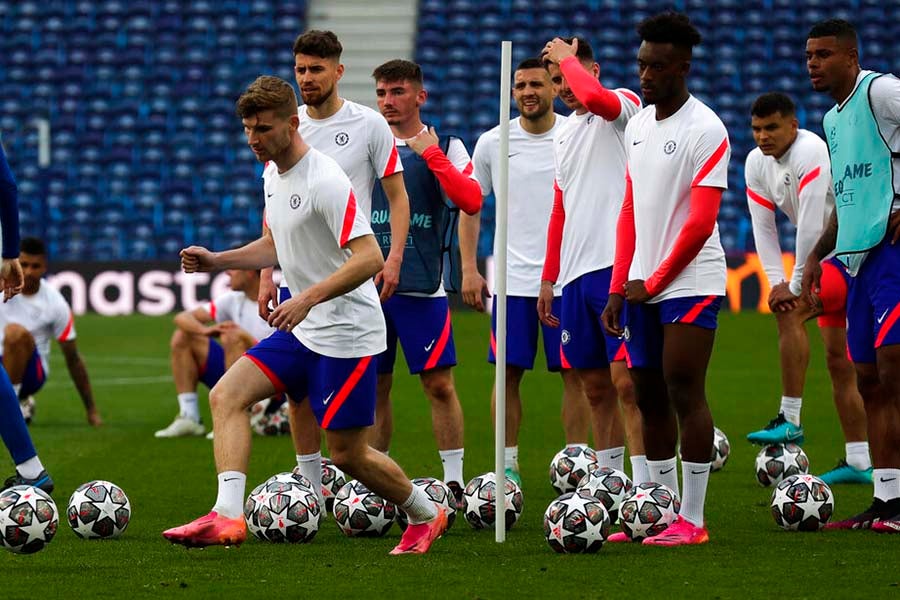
360, 512
569, 466
609, 486
438, 492
333, 479
283, 510
98, 510
478, 500
775, 462
576, 522
647, 510
802, 503
28, 519
274, 423
720, 450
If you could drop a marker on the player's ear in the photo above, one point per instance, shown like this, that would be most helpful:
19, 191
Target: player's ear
595, 69
294, 120
340, 70
421, 96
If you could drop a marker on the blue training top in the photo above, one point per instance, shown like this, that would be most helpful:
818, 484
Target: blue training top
9, 209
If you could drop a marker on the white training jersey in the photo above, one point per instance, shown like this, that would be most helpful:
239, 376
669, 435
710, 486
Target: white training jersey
45, 314
459, 157
665, 160
312, 213
361, 142
236, 307
531, 173
590, 171
798, 183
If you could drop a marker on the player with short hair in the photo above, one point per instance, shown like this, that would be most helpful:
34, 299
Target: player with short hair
670, 265
28, 323
789, 169
328, 331
437, 170
13, 430
863, 135
590, 183
531, 172
231, 318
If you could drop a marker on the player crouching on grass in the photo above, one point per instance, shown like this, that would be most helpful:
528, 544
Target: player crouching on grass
328, 331
196, 355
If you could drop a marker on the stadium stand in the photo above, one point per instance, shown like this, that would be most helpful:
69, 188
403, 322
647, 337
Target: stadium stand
147, 156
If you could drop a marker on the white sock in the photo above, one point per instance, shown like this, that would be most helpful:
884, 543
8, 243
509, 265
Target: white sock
187, 405
511, 457
887, 483
310, 466
639, 471
612, 457
663, 471
419, 507
453, 465
790, 408
695, 477
858, 455
31, 468
17, 387
230, 501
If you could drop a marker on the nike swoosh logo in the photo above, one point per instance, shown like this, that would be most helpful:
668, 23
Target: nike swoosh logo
328, 399
666, 472
699, 472
794, 435
514, 154
883, 480
270, 195
615, 456
231, 478
883, 315
428, 347
636, 142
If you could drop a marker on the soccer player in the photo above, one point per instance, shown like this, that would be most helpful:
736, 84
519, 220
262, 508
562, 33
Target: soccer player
863, 135
436, 170
530, 201
361, 142
196, 356
27, 324
328, 331
590, 183
790, 170
13, 430
670, 265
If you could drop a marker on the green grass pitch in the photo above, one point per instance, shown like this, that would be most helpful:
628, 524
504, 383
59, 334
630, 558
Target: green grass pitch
172, 481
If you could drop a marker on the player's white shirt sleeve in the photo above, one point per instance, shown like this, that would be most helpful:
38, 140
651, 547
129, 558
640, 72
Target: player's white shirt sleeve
485, 148
885, 96
762, 216
631, 105
335, 201
709, 141
459, 156
812, 168
381, 145
62, 321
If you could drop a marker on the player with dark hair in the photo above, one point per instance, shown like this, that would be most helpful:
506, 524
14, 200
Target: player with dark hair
863, 135
531, 171
437, 171
590, 183
790, 170
670, 266
28, 323
328, 331
13, 430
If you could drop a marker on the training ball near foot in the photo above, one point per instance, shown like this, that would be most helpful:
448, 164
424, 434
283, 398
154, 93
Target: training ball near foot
98, 510
608, 485
360, 512
802, 503
777, 461
438, 492
569, 467
478, 501
28, 519
576, 522
647, 510
720, 450
283, 509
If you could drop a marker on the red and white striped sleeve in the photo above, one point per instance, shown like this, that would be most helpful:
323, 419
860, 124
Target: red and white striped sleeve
762, 217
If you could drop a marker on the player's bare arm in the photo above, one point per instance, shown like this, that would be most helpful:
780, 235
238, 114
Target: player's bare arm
365, 261
611, 317
195, 322
268, 291
894, 227
11, 278
395, 190
78, 373
474, 285
422, 141
812, 272
781, 299
545, 305
636, 291
255, 255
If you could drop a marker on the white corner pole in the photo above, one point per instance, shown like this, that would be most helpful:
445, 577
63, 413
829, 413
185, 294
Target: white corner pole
501, 233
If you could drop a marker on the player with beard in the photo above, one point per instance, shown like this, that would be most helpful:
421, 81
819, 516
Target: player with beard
590, 183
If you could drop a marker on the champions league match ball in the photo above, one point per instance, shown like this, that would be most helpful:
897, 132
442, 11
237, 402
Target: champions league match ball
576, 522
98, 510
283, 509
438, 492
647, 510
802, 503
478, 501
569, 466
270, 423
360, 512
609, 486
777, 461
333, 479
720, 450
28, 519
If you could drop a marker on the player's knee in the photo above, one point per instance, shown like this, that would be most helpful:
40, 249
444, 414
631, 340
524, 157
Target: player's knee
837, 362
180, 339
15, 335
439, 387
625, 390
221, 399
868, 385
889, 372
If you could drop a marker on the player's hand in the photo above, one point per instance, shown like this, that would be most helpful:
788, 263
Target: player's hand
267, 296
93, 418
894, 227
290, 313
422, 141
11, 278
389, 277
781, 299
474, 289
812, 280
636, 292
197, 259
557, 49
545, 305
611, 317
